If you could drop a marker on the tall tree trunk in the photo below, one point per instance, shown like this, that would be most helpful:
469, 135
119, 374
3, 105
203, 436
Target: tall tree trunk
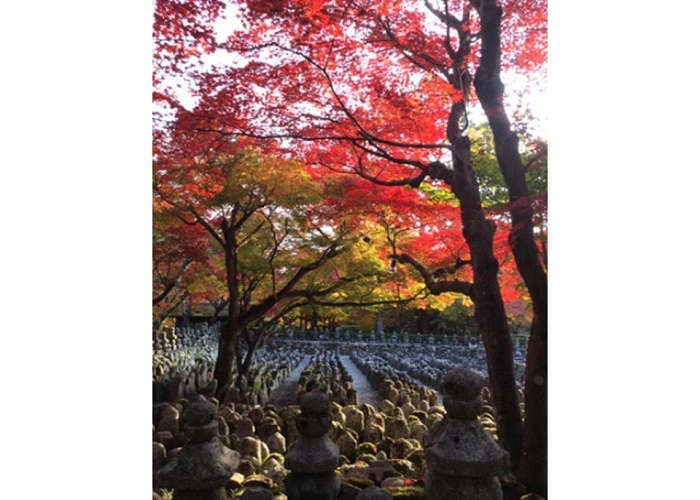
532, 467
223, 369
243, 363
218, 305
230, 330
314, 318
489, 309
185, 314
422, 318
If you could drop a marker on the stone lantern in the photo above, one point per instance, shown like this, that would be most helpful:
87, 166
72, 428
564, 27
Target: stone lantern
204, 466
464, 460
314, 458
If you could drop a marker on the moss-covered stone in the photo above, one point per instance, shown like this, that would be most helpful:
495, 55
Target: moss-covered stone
359, 482
258, 480
370, 448
417, 458
404, 467
165, 494
420, 415
367, 457
406, 493
246, 467
277, 456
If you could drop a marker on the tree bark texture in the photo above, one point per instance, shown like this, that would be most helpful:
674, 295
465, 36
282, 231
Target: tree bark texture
489, 309
223, 369
532, 466
230, 330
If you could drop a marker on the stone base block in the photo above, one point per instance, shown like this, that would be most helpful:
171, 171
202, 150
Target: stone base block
440, 486
215, 494
319, 486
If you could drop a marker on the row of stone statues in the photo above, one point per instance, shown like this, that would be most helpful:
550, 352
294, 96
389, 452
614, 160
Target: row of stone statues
463, 461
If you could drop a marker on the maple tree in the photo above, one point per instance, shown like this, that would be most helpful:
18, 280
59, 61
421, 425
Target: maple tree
383, 91
178, 249
278, 235
402, 221
208, 286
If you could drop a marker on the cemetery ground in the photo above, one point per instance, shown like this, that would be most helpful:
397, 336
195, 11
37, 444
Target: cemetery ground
334, 418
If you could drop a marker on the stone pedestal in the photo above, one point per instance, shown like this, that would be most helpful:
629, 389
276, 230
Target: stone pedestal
464, 460
314, 458
204, 466
374, 493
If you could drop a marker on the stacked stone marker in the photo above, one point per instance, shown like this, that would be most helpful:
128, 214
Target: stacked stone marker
204, 466
314, 458
464, 460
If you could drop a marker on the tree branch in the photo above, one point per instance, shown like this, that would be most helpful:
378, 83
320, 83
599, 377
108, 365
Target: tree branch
536, 158
169, 285
437, 287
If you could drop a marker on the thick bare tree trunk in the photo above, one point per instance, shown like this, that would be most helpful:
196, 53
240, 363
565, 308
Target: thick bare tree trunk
532, 469
489, 308
223, 369
245, 361
532, 466
230, 330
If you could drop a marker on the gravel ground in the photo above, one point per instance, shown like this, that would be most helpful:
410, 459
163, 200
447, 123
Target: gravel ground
285, 394
365, 392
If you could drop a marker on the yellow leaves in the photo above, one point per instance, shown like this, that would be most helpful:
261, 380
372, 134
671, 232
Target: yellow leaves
364, 259
446, 300
413, 102
255, 178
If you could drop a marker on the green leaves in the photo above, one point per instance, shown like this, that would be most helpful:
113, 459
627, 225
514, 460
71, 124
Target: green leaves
439, 194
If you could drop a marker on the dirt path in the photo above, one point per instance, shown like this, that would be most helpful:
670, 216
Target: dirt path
285, 394
365, 392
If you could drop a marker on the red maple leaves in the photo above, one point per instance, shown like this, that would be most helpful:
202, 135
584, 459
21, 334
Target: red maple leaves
361, 88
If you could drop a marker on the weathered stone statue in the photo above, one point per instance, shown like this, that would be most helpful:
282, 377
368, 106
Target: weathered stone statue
204, 466
464, 460
314, 458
